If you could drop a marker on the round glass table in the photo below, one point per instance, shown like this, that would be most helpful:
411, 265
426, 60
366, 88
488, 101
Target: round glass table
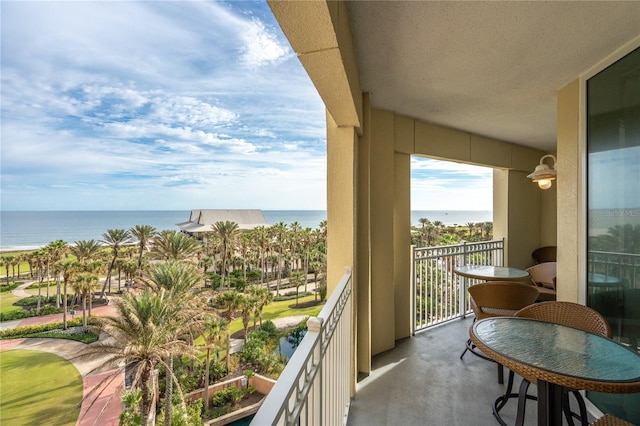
556, 356
492, 273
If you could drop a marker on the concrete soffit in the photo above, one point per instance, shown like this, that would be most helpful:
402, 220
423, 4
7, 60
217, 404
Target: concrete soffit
320, 34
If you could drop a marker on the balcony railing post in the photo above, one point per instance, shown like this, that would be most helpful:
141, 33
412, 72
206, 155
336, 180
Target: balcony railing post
463, 281
314, 325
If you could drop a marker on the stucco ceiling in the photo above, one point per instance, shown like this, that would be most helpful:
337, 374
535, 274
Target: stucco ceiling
491, 68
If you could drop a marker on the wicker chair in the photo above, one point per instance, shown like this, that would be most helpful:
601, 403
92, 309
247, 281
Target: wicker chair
609, 420
568, 314
498, 298
543, 275
545, 254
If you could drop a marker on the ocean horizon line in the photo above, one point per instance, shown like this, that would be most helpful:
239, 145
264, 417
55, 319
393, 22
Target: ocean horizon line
32, 229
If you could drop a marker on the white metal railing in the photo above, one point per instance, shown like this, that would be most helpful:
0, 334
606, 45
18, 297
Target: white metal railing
439, 294
314, 388
624, 266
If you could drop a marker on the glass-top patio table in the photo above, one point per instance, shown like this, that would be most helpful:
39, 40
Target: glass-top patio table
492, 273
556, 356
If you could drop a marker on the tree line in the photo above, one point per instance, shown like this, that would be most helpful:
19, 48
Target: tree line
436, 233
169, 314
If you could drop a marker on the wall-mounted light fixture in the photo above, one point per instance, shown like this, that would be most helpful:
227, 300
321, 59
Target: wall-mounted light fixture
544, 174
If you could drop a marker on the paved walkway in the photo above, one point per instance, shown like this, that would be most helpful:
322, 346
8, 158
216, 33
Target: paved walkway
101, 394
101, 403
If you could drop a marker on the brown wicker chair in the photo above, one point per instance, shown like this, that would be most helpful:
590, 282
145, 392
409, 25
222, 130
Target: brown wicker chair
568, 314
545, 254
498, 298
543, 275
609, 420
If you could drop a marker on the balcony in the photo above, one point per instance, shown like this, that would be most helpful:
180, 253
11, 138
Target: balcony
423, 381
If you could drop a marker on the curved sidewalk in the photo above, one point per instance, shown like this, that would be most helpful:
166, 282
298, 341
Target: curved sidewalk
101, 403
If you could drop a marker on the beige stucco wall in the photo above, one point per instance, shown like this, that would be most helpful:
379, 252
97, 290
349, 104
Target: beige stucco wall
381, 230
402, 245
368, 178
569, 178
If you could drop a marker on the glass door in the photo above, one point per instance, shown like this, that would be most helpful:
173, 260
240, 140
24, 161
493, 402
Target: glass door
613, 216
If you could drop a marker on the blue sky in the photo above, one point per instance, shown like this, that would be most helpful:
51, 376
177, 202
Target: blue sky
123, 105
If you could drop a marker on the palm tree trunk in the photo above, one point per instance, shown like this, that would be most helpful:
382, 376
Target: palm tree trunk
64, 308
168, 407
108, 279
207, 372
84, 313
58, 292
145, 401
228, 357
39, 294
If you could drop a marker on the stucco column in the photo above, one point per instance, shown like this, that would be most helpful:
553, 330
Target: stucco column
341, 216
381, 231
570, 218
402, 245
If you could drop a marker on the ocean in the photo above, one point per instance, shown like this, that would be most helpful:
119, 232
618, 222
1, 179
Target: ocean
27, 230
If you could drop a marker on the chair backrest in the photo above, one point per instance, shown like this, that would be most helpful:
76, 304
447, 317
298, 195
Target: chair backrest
545, 254
501, 298
544, 274
569, 314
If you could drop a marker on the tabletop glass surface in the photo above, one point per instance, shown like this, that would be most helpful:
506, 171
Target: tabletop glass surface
489, 271
559, 349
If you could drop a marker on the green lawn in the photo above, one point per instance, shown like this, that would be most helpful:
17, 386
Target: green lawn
281, 309
38, 388
7, 299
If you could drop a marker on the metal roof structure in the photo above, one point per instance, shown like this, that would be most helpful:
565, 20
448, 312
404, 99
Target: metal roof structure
202, 220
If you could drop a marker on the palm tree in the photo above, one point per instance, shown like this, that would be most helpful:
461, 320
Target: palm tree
6, 262
115, 238
177, 280
244, 245
144, 234
38, 259
212, 335
83, 284
57, 249
248, 305
261, 239
279, 232
229, 300
227, 231
173, 245
67, 267
264, 296
307, 242
86, 249
297, 278
142, 337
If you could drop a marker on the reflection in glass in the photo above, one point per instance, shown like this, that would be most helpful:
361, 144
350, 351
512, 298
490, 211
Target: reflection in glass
613, 184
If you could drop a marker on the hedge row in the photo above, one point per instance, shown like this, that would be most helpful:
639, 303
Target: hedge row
28, 330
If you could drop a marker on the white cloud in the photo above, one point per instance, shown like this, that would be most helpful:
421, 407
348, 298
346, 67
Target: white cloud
261, 47
164, 105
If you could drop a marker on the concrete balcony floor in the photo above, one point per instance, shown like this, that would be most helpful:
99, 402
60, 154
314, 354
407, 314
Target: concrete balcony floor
423, 381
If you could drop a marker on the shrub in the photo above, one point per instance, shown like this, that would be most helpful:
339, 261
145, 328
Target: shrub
33, 300
28, 330
269, 327
230, 395
322, 290
43, 284
14, 315
254, 275
8, 287
49, 309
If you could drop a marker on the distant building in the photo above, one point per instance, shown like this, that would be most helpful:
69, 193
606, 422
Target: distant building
203, 220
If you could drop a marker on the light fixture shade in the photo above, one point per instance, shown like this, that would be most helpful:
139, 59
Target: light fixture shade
543, 173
